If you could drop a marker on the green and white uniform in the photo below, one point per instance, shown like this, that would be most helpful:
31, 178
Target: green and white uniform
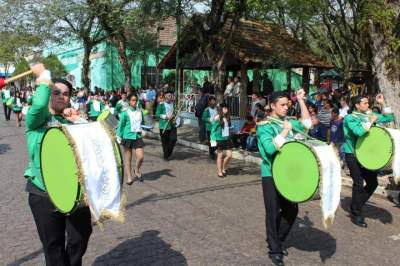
208, 117
356, 125
161, 113
95, 108
120, 107
129, 125
269, 141
17, 104
38, 119
5, 95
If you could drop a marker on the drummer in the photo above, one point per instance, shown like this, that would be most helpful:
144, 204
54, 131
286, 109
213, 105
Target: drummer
272, 133
129, 134
49, 107
356, 125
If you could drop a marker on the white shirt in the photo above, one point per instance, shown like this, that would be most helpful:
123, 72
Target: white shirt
229, 89
344, 111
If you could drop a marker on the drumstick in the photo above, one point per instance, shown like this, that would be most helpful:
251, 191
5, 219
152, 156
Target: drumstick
4, 82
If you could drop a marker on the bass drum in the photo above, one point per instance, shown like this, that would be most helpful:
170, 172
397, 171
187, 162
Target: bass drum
67, 177
374, 150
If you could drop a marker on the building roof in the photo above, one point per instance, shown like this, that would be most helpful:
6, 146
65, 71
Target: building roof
254, 44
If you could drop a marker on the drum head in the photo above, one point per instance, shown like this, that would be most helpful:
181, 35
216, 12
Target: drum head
295, 170
374, 150
59, 170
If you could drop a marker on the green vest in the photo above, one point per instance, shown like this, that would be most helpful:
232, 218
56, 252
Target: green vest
3, 96
17, 108
206, 118
216, 131
37, 119
124, 126
94, 113
266, 133
161, 112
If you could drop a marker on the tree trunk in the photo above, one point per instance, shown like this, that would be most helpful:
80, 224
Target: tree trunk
256, 80
126, 66
390, 87
87, 46
219, 76
145, 82
243, 92
306, 79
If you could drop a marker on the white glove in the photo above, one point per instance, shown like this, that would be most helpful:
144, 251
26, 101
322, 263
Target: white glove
119, 140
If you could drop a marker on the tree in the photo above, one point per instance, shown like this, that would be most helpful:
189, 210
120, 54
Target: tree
112, 16
54, 65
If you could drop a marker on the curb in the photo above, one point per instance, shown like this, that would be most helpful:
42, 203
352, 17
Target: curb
346, 181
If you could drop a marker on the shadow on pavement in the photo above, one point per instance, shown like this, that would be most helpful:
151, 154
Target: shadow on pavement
307, 238
146, 249
156, 197
27, 258
157, 174
370, 210
4, 148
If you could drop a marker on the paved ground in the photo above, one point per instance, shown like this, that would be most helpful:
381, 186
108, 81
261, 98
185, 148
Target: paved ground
184, 215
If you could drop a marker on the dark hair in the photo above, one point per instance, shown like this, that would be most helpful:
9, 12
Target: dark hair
328, 101
335, 111
376, 109
276, 95
66, 83
210, 98
132, 95
221, 114
249, 118
356, 100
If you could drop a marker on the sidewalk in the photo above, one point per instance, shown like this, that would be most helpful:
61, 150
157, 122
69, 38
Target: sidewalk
189, 137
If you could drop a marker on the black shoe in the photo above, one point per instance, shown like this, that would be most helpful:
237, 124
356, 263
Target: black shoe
277, 259
359, 221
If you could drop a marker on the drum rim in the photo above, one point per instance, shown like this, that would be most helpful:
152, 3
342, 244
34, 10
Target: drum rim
391, 156
79, 190
319, 171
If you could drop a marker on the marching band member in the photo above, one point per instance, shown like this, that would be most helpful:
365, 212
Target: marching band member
165, 112
5, 96
272, 133
220, 138
208, 117
122, 105
17, 107
356, 125
95, 107
129, 134
49, 107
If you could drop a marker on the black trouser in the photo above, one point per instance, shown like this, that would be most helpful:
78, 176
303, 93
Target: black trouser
361, 193
211, 150
7, 111
280, 215
202, 129
168, 141
52, 225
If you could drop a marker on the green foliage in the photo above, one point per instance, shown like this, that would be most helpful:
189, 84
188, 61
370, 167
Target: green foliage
21, 66
55, 66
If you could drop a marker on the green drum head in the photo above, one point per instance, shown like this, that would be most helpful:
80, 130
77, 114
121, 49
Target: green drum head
59, 170
374, 150
103, 116
295, 170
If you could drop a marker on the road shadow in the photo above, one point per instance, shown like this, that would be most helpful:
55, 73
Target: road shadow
26, 258
4, 148
151, 176
370, 210
146, 249
307, 238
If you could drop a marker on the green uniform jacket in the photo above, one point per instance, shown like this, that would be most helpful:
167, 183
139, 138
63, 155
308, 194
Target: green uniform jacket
92, 112
216, 131
118, 107
124, 126
161, 113
36, 125
265, 141
15, 107
206, 118
3, 96
353, 129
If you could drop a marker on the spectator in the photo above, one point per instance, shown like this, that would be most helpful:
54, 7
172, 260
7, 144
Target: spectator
150, 99
207, 86
337, 133
237, 88
324, 117
199, 109
240, 139
229, 88
344, 108
256, 98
